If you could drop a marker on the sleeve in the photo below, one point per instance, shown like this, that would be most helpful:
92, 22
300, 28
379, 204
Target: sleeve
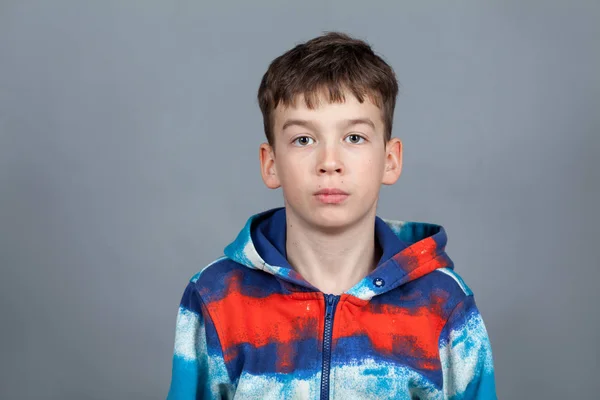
466, 355
199, 370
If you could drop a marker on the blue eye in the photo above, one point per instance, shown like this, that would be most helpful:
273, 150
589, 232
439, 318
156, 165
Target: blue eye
303, 141
355, 139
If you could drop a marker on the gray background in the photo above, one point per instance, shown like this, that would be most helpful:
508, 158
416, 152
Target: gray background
129, 136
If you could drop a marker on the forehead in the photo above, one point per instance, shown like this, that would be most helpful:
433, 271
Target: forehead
325, 112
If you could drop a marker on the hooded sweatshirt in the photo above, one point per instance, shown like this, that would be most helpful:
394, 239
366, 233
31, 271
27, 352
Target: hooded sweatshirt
250, 327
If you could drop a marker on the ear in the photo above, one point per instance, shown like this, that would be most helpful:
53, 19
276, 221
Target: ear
393, 161
267, 166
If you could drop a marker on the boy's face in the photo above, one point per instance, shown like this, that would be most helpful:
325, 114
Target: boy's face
334, 147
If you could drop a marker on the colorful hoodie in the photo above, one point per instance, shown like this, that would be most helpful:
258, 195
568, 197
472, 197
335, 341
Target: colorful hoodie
250, 327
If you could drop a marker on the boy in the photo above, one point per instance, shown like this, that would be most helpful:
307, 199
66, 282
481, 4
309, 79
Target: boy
322, 299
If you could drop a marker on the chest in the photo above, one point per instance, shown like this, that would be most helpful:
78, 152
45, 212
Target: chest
287, 335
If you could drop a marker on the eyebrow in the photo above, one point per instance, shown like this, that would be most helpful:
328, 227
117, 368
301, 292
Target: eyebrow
310, 125
357, 121
298, 122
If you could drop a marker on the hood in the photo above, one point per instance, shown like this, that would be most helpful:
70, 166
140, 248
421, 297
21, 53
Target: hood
410, 250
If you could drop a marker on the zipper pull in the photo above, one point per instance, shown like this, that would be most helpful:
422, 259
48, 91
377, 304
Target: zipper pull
328, 304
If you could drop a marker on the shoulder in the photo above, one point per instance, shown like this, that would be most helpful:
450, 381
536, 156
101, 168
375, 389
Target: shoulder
443, 289
215, 276
219, 267
226, 279
443, 280
449, 278
201, 282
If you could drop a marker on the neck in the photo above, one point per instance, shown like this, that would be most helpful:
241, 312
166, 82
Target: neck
332, 262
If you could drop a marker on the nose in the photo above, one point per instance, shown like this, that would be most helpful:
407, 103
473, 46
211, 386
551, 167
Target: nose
329, 161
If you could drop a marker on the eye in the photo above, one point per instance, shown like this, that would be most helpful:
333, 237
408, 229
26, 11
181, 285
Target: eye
303, 141
355, 139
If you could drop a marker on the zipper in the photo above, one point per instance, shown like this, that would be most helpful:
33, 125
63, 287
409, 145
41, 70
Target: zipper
330, 304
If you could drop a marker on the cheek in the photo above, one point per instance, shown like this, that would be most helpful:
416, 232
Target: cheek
290, 174
370, 174
372, 166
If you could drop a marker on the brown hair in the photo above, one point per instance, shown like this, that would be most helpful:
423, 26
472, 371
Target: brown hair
328, 64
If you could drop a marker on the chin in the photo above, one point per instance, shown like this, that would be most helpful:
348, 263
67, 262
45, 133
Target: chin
332, 217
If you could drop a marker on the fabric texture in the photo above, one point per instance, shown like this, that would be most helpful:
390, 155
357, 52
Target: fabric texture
250, 327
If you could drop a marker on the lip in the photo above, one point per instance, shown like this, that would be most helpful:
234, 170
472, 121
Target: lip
331, 196
331, 191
